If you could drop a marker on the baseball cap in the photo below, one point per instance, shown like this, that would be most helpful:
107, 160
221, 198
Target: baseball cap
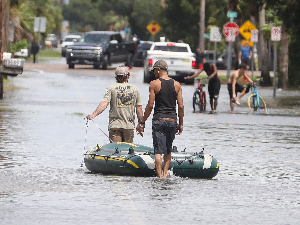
122, 71
161, 64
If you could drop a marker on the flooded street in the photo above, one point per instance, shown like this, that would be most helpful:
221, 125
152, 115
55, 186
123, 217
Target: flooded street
43, 137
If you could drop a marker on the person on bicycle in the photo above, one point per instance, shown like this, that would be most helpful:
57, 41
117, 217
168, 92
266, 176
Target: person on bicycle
214, 83
234, 87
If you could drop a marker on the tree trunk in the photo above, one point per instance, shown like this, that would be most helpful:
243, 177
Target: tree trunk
263, 51
283, 80
202, 25
0, 23
5, 23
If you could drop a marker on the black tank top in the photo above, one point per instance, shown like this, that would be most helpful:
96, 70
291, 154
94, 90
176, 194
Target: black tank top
165, 100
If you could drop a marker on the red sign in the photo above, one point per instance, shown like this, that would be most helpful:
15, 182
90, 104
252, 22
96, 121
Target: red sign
230, 29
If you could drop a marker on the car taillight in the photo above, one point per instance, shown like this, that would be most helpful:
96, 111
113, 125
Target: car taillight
150, 62
171, 44
194, 64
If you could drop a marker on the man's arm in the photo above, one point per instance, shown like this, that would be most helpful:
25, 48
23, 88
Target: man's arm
195, 74
180, 109
248, 78
234, 80
240, 57
250, 54
101, 107
148, 109
139, 113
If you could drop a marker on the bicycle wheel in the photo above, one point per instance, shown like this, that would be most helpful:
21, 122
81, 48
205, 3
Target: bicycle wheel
203, 102
196, 101
252, 104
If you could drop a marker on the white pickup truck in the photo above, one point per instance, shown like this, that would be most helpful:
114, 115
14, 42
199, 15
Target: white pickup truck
179, 57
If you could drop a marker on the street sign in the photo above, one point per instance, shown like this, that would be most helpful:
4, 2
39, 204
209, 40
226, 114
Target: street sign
215, 34
40, 24
153, 27
206, 35
246, 28
276, 34
254, 36
230, 29
231, 14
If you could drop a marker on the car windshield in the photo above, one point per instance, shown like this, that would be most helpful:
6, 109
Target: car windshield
95, 38
171, 48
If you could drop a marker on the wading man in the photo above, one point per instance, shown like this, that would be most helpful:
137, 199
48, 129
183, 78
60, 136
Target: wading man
124, 100
165, 93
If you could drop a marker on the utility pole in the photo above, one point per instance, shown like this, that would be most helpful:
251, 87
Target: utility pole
202, 25
5, 22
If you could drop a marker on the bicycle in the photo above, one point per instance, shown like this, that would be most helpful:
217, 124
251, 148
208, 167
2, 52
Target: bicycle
256, 102
199, 97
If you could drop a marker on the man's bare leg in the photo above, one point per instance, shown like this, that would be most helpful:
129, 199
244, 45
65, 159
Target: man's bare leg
231, 104
240, 96
158, 165
211, 101
215, 104
167, 161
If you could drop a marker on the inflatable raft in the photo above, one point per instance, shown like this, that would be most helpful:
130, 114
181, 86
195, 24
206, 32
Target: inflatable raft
129, 159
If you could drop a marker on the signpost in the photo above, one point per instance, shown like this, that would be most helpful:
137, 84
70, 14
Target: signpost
254, 39
215, 36
39, 26
230, 30
153, 27
275, 36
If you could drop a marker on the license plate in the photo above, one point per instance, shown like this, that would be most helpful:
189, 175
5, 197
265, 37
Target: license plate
171, 72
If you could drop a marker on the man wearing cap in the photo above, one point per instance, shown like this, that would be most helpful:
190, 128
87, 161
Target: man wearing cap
165, 92
124, 99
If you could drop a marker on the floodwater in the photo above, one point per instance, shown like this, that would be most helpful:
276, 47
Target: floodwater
43, 136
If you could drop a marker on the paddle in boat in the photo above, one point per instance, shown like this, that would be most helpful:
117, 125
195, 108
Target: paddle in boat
121, 158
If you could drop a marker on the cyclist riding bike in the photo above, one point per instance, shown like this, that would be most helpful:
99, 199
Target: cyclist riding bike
214, 83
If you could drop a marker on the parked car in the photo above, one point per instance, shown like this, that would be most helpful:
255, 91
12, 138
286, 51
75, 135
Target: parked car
141, 53
209, 57
51, 41
67, 41
223, 59
101, 48
178, 56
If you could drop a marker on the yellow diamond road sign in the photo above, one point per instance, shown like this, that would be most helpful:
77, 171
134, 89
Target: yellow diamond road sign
153, 27
246, 28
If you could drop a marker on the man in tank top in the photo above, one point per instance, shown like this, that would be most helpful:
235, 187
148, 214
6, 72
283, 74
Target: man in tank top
166, 93
214, 83
124, 100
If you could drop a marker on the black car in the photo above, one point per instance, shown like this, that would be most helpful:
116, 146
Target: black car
209, 58
141, 53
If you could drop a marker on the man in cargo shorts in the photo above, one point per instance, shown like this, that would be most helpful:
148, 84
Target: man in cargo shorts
165, 92
124, 99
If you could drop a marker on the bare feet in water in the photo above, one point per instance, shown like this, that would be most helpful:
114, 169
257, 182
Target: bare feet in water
236, 102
